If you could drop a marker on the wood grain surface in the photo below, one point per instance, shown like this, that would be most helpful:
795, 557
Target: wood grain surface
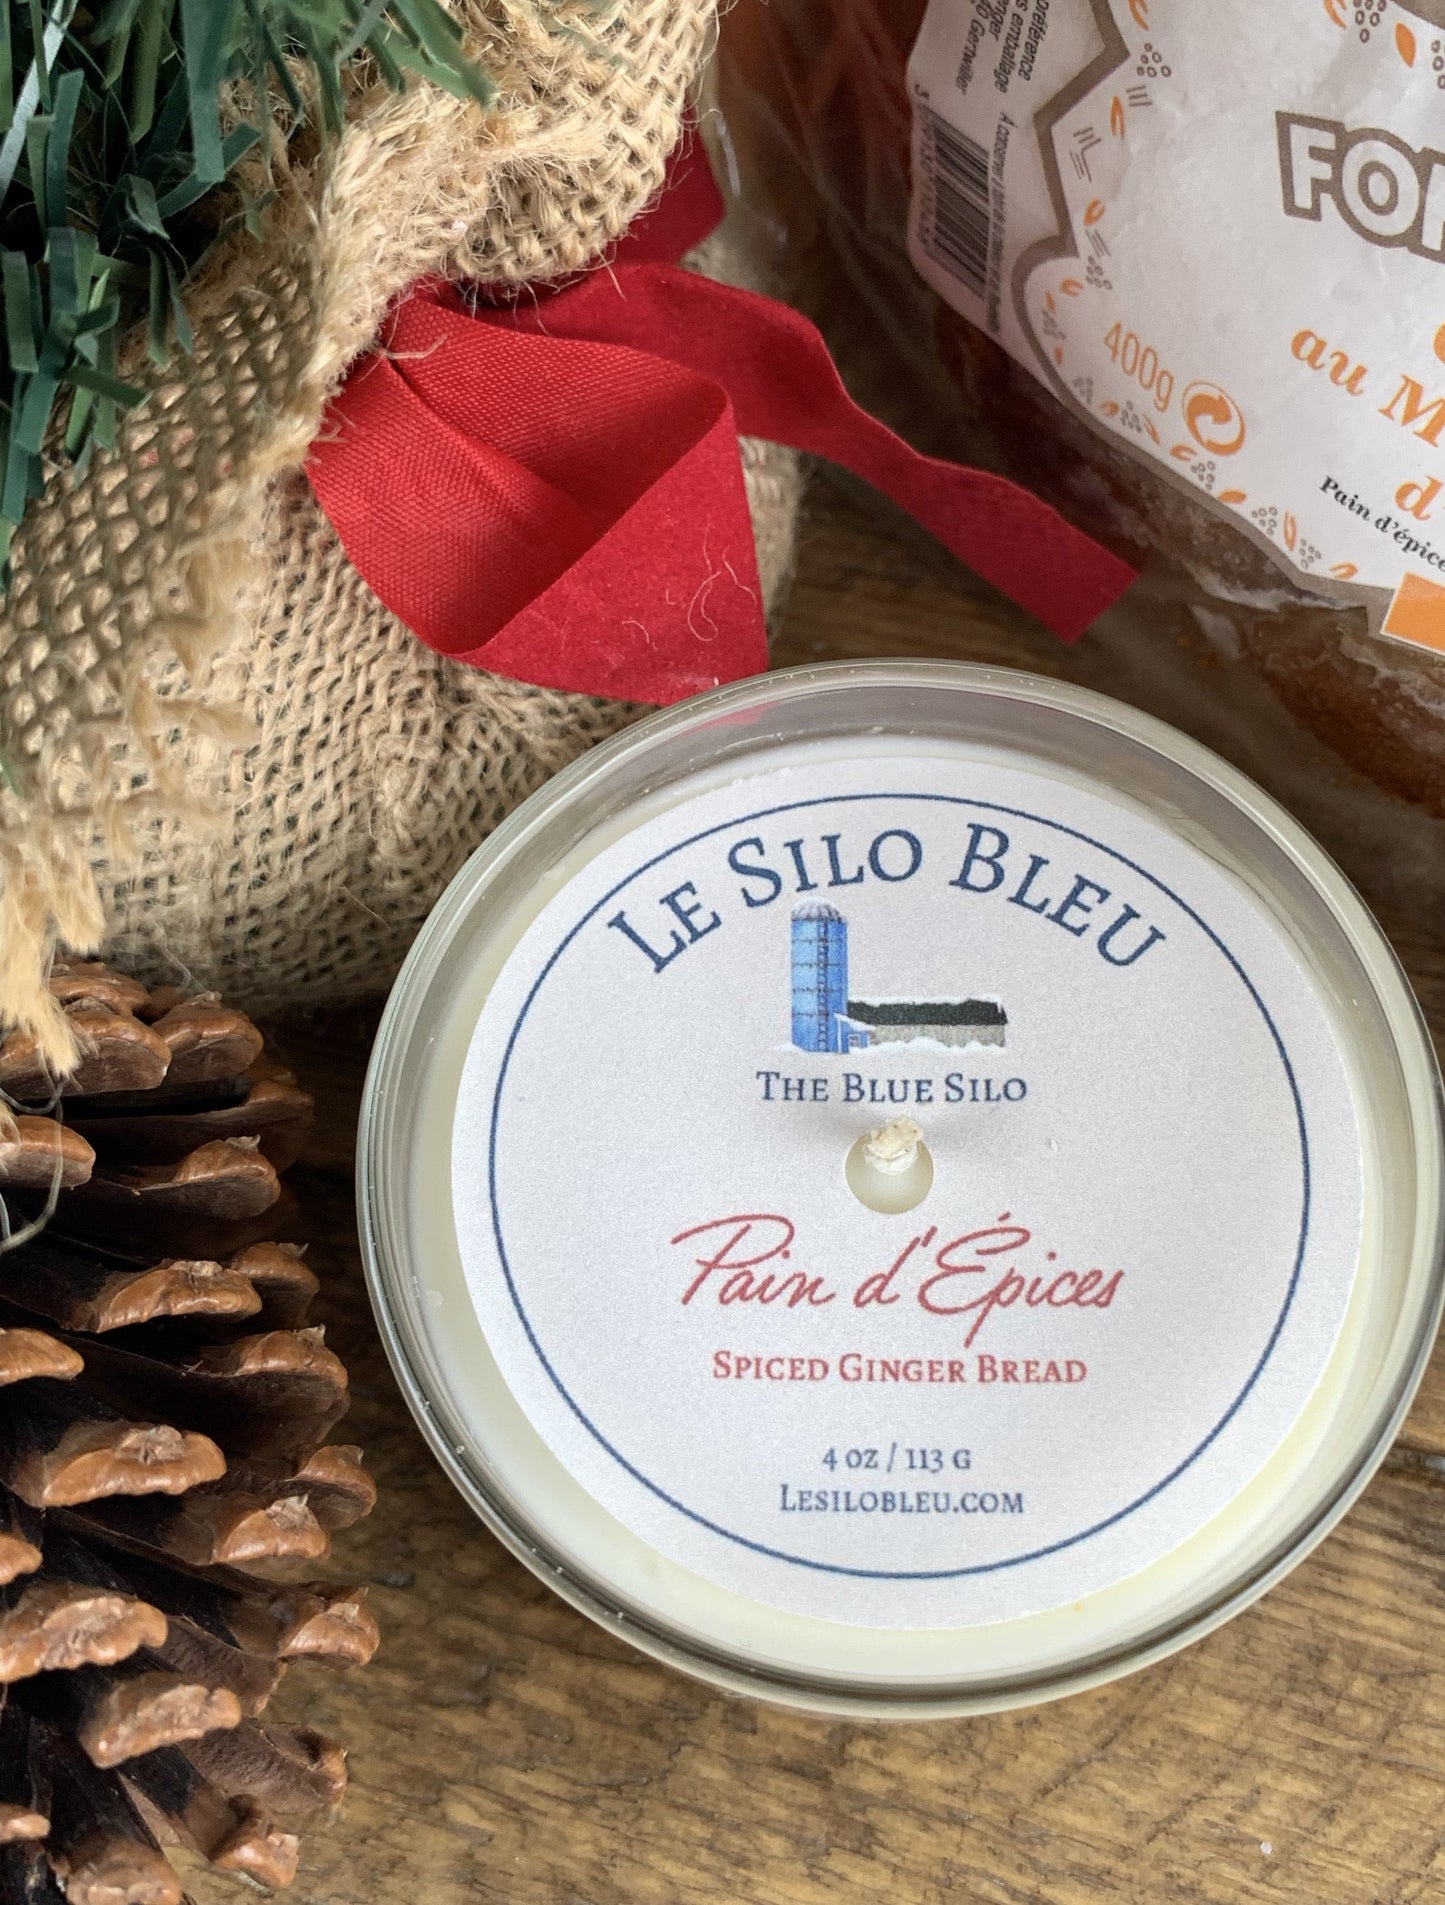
502, 1748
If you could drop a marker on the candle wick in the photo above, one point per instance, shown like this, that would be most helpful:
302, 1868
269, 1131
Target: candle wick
893, 1148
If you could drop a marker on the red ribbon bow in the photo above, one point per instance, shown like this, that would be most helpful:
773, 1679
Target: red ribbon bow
554, 492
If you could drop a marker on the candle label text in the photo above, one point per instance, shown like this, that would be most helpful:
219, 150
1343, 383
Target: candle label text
1088, 1333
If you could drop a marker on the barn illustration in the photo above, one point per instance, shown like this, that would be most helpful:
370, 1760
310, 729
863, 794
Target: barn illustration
826, 1019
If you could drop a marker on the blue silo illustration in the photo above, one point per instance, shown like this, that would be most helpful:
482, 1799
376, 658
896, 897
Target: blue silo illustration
820, 978
825, 1019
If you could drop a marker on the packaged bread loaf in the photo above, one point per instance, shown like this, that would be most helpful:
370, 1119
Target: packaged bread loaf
1186, 271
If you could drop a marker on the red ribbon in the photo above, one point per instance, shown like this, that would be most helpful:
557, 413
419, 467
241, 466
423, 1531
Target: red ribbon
554, 492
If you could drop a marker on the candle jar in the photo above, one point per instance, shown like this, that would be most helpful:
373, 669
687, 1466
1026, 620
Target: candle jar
904, 1188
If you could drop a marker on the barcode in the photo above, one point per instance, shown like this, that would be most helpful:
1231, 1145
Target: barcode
956, 210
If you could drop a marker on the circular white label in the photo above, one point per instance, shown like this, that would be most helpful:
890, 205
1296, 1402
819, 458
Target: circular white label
1104, 1316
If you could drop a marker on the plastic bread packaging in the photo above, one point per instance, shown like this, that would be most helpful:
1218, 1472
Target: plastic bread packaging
1179, 271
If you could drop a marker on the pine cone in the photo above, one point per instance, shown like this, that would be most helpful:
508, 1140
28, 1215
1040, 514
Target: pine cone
163, 1424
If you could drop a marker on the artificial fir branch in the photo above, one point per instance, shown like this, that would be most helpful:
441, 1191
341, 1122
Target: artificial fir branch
112, 136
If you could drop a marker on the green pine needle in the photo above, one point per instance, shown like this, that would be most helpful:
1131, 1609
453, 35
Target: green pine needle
111, 136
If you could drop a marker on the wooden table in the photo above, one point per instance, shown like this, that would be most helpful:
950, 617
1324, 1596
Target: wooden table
502, 1748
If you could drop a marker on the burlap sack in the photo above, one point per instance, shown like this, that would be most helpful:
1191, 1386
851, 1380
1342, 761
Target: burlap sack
226, 760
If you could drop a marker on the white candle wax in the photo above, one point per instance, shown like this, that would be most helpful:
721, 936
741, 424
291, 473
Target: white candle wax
584, 1062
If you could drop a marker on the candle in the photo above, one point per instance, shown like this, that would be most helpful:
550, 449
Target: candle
904, 1188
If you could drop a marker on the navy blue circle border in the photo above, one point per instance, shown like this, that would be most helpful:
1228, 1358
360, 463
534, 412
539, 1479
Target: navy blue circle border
802, 1561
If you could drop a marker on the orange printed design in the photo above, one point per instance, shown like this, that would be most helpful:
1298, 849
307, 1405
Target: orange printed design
1440, 343
1140, 11
1071, 287
1116, 117
1417, 613
1093, 211
1291, 532
1150, 428
1049, 301
1058, 353
1232, 495
1344, 570
1335, 11
1404, 43
1184, 451
1213, 419
1109, 409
